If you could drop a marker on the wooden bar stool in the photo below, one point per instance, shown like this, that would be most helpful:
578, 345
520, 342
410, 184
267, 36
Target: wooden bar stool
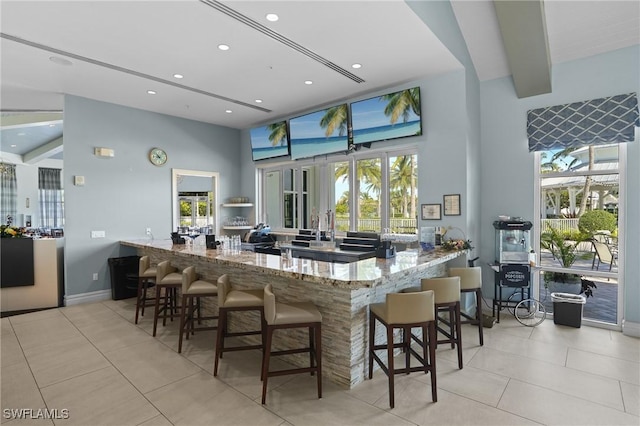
230, 300
405, 311
193, 290
292, 315
169, 280
471, 282
146, 279
447, 299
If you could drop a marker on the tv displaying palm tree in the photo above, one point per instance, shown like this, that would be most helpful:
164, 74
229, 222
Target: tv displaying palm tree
269, 141
319, 133
390, 116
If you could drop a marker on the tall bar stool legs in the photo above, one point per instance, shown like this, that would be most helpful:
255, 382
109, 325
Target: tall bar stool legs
447, 299
167, 281
405, 311
292, 315
193, 290
471, 282
146, 279
230, 300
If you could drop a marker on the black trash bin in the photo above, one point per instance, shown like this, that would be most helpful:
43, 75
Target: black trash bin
567, 309
124, 277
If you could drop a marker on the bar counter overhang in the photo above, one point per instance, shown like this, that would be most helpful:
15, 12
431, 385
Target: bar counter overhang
341, 291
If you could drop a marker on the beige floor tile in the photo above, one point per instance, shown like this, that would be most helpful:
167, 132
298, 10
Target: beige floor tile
202, 399
88, 313
377, 387
113, 335
631, 398
102, 397
10, 350
44, 331
573, 382
35, 316
553, 353
157, 421
626, 371
241, 370
5, 326
63, 360
149, 365
554, 408
414, 405
469, 382
297, 402
19, 390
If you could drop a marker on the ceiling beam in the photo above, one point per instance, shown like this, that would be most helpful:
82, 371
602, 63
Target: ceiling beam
524, 33
43, 151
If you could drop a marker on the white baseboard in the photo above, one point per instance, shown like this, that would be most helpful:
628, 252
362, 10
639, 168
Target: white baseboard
94, 296
630, 328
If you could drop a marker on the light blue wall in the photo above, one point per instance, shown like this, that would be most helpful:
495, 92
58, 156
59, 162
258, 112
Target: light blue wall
508, 168
125, 194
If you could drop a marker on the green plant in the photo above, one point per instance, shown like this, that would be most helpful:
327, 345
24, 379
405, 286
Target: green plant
562, 249
597, 220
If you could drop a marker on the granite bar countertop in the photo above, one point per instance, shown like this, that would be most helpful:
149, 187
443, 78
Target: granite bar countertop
363, 273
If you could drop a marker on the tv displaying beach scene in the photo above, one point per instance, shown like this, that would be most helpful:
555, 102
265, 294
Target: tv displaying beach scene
319, 133
390, 116
269, 141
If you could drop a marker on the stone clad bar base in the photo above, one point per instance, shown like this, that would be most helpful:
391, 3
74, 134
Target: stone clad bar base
342, 293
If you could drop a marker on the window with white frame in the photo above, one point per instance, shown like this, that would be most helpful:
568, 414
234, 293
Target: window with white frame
51, 198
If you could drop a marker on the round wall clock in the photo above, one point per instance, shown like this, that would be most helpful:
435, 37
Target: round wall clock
157, 156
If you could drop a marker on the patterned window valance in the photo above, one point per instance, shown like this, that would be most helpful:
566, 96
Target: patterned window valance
594, 122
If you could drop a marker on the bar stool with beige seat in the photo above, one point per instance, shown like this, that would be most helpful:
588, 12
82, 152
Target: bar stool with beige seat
471, 282
405, 311
146, 279
193, 290
232, 300
280, 316
447, 299
167, 280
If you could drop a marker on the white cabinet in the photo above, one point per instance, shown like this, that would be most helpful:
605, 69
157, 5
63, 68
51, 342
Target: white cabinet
233, 223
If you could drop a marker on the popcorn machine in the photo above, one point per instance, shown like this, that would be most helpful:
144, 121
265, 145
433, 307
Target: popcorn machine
511, 266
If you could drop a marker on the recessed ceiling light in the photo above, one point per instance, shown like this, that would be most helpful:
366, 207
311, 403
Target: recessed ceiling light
223, 47
13, 146
356, 66
272, 17
52, 125
60, 61
21, 134
151, 92
258, 101
228, 111
178, 76
308, 82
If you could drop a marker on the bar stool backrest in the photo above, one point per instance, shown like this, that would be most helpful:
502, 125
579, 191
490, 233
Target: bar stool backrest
224, 287
188, 277
164, 268
410, 308
470, 277
269, 305
447, 289
143, 264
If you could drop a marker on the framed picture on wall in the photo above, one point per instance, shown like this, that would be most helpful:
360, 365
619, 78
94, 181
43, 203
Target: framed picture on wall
431, 211
452, 205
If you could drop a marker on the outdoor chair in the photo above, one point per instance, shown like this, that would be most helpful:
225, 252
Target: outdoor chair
603, 255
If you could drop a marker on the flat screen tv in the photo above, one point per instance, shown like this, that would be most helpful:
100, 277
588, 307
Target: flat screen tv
390, 116
319, 133
269, 141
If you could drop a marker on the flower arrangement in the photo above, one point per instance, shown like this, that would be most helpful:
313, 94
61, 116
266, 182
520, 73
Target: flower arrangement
457, 245
7, 231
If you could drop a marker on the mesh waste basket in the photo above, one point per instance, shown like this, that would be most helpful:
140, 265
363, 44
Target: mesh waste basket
567, 309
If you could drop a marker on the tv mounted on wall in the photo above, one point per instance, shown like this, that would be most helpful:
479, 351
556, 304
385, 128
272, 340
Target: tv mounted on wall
319, 133
269, 141
390, 116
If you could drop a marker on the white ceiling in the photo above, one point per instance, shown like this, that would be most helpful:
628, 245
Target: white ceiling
120, 49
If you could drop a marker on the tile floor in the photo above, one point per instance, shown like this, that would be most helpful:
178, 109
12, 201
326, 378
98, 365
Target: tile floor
94, 362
